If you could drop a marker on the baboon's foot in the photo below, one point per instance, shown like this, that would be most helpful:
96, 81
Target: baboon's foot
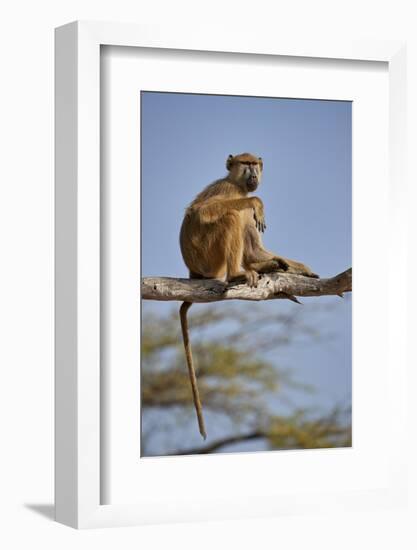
252, 278
300, 269
269, 266
249, 276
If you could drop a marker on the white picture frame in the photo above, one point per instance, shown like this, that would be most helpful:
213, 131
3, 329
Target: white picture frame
78, 427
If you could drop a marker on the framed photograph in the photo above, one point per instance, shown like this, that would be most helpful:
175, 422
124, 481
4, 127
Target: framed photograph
241, 176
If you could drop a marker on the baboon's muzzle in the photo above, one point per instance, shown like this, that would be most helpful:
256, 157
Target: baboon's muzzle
252, 183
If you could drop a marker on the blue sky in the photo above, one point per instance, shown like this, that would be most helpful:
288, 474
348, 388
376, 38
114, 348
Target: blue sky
306, 190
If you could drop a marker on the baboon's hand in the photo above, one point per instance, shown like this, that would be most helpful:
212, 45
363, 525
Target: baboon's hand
258, 214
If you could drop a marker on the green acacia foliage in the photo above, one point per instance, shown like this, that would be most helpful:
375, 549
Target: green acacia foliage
239, 386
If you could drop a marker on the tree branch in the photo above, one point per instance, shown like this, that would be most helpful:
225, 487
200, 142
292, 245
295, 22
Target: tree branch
271, 286
221, 443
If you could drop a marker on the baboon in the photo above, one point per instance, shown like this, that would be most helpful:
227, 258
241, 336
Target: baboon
220, 238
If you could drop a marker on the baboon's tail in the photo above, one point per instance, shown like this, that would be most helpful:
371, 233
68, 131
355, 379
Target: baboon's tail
191, 372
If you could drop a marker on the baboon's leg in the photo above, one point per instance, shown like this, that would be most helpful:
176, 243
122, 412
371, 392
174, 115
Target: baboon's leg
254, 250
233, 231
278, 263
256, 257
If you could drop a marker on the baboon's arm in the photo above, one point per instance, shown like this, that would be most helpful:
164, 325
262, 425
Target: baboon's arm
212, 211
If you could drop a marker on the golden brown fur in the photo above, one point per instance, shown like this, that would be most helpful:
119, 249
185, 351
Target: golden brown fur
220, 233
220, 238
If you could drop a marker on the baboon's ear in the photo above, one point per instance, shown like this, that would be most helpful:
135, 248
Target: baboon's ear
261, 163
229, 162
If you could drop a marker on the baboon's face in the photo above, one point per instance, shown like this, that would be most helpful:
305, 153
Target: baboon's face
249, 174
245, 170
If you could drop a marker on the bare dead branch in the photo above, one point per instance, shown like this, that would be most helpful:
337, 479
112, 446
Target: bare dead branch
271, 286
222, 443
